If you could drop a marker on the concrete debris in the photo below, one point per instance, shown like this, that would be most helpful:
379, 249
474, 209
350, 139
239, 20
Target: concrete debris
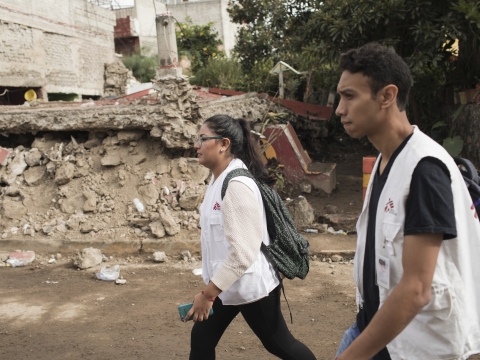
33, 157
117, 77
159, 256
126, 137
64, 173
35, 175
87, 258
336, 258
157, 229
149, 193
301, 212
171, 227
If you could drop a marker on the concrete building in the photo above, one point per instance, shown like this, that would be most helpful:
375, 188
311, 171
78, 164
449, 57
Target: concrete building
57, 48
204, 11
135, 27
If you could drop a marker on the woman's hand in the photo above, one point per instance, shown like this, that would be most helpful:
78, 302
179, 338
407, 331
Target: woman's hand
200, 309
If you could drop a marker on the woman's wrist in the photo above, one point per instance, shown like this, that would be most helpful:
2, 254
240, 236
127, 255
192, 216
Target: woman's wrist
212, 299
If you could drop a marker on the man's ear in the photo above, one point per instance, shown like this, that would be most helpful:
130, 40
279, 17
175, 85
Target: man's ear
388, 96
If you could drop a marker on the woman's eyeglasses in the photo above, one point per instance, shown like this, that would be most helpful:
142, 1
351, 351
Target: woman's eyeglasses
200, 139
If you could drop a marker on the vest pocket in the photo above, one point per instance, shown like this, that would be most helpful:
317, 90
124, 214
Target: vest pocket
391, 231
216, 227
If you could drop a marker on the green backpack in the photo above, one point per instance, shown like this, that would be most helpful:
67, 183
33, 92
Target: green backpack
288, 251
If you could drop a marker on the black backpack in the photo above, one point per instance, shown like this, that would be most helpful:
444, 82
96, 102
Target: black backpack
288, 251
472, 180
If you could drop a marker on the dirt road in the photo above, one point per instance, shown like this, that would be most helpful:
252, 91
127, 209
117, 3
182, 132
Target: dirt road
83, 318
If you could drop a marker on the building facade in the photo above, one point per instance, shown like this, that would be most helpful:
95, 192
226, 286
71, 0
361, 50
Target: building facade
57, 48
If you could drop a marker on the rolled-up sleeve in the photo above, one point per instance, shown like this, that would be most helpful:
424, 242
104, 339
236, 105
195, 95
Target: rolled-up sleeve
242, 221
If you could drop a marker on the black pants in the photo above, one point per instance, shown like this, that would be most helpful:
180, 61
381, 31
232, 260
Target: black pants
265, 319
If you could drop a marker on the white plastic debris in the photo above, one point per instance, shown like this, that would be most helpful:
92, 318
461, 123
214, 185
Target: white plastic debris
138, 204
166, 191
121, 281
52, 261
109, 273
311, 230
25, 228
15, 262
197, 271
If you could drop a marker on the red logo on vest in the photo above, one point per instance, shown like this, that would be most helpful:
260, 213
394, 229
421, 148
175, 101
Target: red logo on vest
474, 211
389, 206
216, 206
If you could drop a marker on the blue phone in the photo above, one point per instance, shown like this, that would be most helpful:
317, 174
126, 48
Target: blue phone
185, 308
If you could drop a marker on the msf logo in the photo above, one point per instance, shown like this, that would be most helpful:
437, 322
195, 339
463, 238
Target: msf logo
216, 206
390, 207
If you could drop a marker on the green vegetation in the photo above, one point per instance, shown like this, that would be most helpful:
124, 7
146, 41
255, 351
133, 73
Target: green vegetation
143, 67
310, 35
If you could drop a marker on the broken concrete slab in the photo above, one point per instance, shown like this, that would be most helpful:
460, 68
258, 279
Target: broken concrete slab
113, 159
35, 175
64, 173
125, 137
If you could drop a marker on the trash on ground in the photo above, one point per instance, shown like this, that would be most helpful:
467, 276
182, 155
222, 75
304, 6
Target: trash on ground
197, 271
120, 281
52, 261
20, 258
330, 230
109, 273
311, 230
51, 282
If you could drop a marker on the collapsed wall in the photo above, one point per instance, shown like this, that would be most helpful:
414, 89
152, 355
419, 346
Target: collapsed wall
68, 177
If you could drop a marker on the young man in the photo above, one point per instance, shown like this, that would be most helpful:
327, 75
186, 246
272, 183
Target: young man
416, 265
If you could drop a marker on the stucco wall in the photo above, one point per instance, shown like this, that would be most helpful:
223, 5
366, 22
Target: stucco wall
61, 46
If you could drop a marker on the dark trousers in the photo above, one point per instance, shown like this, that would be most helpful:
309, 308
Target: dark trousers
265, 319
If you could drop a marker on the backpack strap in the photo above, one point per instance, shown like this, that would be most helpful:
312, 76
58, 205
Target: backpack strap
270, 225
470, 172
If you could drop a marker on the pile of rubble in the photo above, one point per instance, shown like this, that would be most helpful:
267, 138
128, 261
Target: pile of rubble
66, 187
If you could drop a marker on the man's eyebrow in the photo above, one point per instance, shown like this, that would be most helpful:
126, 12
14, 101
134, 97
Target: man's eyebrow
344, 91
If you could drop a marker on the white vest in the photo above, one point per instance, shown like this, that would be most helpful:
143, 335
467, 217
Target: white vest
448, 327
259, 279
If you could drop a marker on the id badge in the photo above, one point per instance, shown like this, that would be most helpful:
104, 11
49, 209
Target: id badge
383, 271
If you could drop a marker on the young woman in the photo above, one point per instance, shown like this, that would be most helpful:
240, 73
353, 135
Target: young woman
238, 276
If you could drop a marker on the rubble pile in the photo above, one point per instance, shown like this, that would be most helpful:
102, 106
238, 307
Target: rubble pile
68, 187
117, 77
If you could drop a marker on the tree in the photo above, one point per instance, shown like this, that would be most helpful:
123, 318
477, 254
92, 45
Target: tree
143, 67
198, 43
312, 35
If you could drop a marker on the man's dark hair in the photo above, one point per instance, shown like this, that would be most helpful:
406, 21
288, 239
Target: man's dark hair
382, 66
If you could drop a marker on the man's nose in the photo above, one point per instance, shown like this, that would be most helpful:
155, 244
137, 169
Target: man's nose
340, 111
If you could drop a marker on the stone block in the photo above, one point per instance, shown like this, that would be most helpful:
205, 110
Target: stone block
346, 222
33, 157
301, 211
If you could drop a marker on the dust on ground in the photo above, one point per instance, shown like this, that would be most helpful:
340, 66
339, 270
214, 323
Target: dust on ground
57, 312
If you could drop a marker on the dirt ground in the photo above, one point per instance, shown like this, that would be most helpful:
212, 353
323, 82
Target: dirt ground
81, 317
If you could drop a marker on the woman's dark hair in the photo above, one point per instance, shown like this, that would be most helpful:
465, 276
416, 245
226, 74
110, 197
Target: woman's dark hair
382, 66
242, 144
